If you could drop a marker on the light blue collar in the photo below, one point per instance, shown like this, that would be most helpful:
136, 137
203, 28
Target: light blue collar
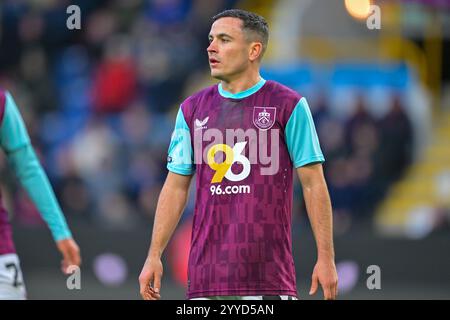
242, 94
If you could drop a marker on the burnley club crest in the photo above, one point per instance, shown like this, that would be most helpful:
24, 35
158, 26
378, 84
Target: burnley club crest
264, 117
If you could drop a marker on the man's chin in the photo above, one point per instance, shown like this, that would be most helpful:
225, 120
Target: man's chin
216, 75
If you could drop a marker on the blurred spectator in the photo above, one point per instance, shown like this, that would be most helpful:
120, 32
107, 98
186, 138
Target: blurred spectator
35, 76
167, 13
396, 143
114, 85
74, 197
360, 117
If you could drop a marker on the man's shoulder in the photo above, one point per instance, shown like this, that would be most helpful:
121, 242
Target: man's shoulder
282, 91
204, 93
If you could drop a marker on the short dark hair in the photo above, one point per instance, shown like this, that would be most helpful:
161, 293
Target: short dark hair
250, 22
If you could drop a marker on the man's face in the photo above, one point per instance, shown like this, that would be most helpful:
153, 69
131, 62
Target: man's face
228, 51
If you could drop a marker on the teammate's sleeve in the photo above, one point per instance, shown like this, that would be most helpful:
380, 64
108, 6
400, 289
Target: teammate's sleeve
14, 140
301, 136
180, 158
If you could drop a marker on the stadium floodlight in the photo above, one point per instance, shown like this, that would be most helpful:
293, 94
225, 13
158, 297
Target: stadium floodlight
359, 9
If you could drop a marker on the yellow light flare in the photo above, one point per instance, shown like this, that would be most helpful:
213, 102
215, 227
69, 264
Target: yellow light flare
359, 9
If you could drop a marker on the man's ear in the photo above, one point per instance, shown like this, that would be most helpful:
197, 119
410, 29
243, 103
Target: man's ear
255, 51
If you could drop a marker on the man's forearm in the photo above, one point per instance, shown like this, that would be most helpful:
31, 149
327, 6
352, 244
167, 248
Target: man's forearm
33, 178
318, 205
170, 206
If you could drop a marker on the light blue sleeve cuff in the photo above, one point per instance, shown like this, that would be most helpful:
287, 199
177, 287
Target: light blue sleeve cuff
179, 170
301, 136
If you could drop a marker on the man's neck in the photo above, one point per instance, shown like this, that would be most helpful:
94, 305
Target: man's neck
240, 84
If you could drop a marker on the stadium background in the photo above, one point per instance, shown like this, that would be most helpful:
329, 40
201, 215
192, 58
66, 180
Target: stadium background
100, 105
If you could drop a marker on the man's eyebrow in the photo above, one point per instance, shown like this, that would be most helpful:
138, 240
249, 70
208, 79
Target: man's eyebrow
220, 35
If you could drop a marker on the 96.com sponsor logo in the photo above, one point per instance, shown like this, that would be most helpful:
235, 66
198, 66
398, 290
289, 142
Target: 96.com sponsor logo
237, 189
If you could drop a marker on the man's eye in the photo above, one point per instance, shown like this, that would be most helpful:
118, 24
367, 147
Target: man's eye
225, 40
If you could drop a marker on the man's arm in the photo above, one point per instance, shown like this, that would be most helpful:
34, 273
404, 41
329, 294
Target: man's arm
14, 140
171, 203
319, 209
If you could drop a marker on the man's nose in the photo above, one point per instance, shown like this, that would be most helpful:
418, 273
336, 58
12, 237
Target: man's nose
212, 47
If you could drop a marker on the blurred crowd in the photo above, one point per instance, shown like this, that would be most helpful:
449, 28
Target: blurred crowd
100, 104
364, 154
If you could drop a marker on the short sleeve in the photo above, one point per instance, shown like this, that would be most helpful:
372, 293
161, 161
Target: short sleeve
180, 158
301, 136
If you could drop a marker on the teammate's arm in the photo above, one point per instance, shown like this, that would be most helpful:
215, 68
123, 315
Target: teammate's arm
171, 203
318, 205
14, 140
